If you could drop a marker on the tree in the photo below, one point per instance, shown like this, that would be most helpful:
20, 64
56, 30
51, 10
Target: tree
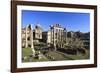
74, 42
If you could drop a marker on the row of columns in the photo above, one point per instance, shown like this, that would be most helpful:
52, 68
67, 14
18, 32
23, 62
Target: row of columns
58, 36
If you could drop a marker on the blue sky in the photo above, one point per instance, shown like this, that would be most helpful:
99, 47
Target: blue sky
70, 20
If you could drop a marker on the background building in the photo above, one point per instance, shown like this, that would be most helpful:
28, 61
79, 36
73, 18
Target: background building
37, 33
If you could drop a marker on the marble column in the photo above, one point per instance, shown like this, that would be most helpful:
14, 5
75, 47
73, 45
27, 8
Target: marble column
32, 44
26, 45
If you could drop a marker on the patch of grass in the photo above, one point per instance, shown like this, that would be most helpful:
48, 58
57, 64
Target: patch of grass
26, 52
77, 57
